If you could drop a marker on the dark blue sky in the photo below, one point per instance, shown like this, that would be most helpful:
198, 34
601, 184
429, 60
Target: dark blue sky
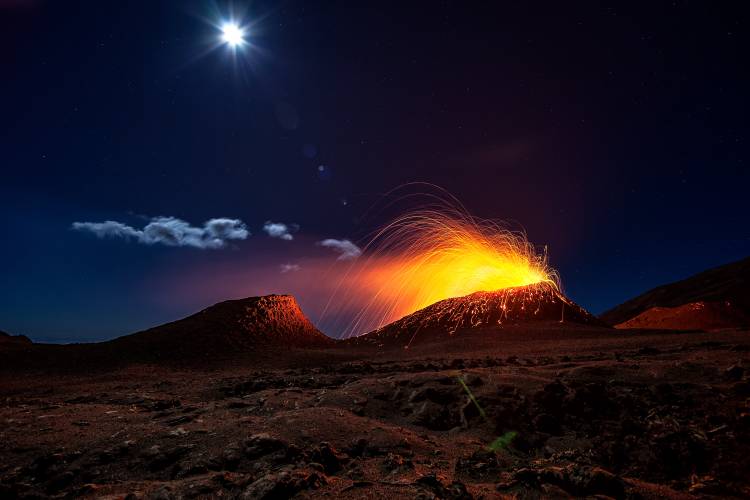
614, 134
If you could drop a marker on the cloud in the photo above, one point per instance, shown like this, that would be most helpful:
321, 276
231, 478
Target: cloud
278, 230
345, 248
288, 268
171, 231
107, 229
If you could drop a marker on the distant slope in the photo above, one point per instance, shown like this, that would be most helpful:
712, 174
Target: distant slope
693, 316
532, 303
251, 328
272, 321
727, 284
8, 340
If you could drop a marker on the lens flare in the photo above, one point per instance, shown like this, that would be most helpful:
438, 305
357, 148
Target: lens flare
435, 252
232, 34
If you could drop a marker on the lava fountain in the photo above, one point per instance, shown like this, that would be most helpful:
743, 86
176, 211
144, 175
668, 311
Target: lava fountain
435, 252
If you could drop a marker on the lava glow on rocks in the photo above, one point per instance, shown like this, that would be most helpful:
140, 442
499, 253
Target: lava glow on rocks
439, 252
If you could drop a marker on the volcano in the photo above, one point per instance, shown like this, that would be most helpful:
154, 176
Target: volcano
250, 328
232, 326
540, 302
714, 299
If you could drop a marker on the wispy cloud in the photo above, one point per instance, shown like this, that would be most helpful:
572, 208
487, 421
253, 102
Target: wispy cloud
279, 230
108, 229
289, 268
171, 231
345, 248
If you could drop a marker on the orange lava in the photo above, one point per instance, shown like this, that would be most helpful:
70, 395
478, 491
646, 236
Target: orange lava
439, 252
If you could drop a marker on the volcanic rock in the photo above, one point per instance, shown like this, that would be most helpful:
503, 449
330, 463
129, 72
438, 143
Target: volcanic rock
394, 463
584, 481
480, 465
331, 460
714, 299
558, 419
231, 456
734, 372
455, 491
270, 486
259, 445
692, 316
509, 306
435, 416
282, 484
231, 326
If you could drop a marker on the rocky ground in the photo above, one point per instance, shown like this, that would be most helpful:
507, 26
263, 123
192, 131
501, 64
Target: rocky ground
590, 413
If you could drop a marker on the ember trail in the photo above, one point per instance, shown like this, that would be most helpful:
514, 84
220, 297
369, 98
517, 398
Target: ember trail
440, 251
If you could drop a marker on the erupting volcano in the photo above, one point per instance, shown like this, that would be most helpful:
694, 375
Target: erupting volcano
438, 252
540, 302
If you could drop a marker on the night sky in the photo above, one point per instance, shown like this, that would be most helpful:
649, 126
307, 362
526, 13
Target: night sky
615, 134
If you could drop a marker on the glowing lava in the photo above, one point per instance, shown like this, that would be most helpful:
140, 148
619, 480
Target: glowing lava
439, 252
435, 256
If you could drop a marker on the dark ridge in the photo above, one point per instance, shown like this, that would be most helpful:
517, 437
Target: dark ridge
255, 328
233, 325
728, 283
7, 338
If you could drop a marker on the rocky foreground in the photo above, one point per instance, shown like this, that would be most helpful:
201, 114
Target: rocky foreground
566, 414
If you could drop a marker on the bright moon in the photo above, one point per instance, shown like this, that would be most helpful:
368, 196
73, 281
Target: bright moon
232, 34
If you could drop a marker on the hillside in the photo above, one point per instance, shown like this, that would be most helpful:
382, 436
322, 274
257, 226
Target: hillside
727, 284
